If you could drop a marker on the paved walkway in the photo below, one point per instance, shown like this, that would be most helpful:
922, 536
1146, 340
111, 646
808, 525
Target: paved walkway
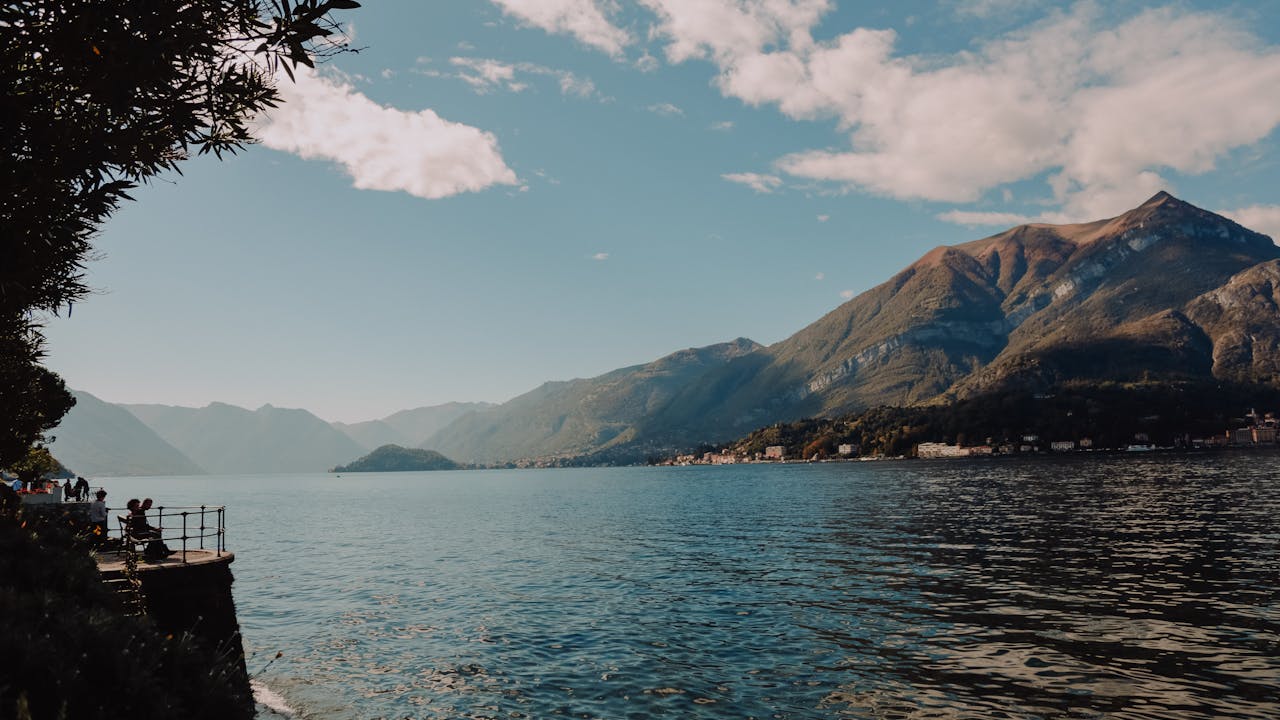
113, 562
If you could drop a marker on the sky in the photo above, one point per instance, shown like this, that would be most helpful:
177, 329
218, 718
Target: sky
494, 194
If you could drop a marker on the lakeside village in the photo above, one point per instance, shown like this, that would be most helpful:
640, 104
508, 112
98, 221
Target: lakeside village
1260, 430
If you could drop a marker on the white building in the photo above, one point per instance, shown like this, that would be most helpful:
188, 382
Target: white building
940, 450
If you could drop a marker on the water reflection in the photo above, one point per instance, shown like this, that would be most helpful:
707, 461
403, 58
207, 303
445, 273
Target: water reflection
1108, 588
1112, 588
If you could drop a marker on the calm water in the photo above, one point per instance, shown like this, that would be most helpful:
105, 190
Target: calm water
1112, 587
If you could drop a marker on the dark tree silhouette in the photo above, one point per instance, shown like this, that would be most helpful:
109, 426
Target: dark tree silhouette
100, 95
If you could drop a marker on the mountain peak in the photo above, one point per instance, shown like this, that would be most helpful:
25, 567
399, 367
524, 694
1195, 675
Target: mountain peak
1161, 198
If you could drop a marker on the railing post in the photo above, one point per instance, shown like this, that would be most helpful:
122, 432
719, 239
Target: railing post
184, 536
202, 527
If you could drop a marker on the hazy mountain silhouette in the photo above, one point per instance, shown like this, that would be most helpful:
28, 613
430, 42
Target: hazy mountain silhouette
98, 438
407, 428
225, 439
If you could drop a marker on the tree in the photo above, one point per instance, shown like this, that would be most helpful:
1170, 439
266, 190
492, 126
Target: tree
101, 95
38, 464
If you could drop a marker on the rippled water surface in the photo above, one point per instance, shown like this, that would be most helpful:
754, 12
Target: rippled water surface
1109, 587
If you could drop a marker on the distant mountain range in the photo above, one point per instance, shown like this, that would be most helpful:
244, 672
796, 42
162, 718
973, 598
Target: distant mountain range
1164, 291
228, 440
99, 438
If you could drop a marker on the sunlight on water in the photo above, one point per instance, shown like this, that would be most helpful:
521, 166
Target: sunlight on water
1113, 587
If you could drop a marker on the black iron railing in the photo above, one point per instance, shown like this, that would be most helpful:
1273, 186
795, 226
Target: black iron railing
182, 527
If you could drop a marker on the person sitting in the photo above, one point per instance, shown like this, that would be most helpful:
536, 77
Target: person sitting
142, 531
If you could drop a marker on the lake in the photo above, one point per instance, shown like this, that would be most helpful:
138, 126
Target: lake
1108, 586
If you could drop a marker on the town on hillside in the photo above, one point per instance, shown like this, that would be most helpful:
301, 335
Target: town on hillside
1257, 430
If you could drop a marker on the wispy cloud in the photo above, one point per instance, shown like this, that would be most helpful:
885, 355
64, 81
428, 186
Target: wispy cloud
586, 20
991, 8
823, 218
1262, 218
665, 108
600, 256
847, 294
722, 126
486, 75
382, 148
756, 181
820, 276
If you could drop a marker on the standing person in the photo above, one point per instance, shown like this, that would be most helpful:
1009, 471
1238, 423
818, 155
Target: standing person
68, 492
82, 488
98, 517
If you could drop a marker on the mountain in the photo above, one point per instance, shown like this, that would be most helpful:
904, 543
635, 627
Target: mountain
563, 419
407, 427
225, 439
1165, 290
1165, 293
393, 458
98, 438
372, 434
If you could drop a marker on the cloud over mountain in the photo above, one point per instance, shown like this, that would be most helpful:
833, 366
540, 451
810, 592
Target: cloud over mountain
1095, 104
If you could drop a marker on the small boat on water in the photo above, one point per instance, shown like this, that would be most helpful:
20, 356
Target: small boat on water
1140, 447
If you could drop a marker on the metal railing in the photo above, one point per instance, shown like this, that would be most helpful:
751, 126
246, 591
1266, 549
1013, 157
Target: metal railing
189, 525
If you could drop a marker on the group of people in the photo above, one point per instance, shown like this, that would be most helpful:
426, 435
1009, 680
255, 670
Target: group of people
78, 492
136, 526
138, 529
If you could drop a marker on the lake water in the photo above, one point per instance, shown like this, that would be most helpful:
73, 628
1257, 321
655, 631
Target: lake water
1120, 587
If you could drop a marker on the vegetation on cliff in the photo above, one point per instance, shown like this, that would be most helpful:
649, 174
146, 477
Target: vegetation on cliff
394, 458
70, 651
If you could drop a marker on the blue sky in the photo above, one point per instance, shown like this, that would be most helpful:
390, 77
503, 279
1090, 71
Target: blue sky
495, 194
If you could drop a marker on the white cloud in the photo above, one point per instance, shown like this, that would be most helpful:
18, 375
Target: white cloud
722, 126
382, 148
586, 20
665, 108
847, 294
820, 276
823, 218
756, 181
1099, 109
1261, 218
727, 30
600, 256
486, 75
